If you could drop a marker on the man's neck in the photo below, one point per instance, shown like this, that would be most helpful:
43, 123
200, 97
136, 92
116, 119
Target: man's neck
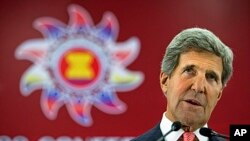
166, 124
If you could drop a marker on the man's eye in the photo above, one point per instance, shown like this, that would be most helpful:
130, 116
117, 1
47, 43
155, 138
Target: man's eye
211, 77
189, 70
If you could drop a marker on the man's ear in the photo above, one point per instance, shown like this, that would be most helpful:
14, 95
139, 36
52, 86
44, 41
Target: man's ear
163, 81
220, 94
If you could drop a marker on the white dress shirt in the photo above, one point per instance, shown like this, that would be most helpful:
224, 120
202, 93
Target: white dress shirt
165, 126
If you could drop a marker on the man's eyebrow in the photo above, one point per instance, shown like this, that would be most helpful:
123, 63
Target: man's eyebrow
191, 66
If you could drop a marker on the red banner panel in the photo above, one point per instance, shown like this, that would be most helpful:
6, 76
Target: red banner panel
89, 70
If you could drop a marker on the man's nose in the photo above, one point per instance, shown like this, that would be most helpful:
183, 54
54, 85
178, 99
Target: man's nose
199, 84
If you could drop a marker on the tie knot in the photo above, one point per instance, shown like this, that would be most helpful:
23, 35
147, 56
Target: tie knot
188, 136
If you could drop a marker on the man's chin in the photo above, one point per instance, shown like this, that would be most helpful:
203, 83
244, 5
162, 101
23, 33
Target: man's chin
193, 121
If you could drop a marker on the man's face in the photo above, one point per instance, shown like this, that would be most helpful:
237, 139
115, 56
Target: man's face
193, 89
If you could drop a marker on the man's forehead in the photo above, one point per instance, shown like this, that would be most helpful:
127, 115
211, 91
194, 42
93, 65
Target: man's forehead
201, 60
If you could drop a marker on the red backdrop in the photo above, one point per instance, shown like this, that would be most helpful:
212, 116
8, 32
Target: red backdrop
155, 23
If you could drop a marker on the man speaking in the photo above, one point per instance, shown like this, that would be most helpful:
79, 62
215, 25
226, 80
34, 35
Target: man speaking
194, 71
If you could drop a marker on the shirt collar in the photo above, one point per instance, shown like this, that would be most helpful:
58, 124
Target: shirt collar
166, 124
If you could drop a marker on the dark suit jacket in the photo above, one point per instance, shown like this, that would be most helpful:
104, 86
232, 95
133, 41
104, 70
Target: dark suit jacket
155, 133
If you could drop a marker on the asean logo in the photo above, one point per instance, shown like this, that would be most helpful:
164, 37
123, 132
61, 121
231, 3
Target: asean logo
79, 65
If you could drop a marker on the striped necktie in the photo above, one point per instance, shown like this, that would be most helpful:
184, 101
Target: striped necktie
188, 136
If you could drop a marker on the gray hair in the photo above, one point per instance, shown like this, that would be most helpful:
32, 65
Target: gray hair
201, 39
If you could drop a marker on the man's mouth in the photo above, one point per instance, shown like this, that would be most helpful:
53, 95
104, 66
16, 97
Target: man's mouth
193, 102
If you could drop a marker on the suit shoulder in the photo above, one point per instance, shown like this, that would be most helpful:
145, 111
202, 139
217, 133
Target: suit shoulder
152, 134
215, 138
